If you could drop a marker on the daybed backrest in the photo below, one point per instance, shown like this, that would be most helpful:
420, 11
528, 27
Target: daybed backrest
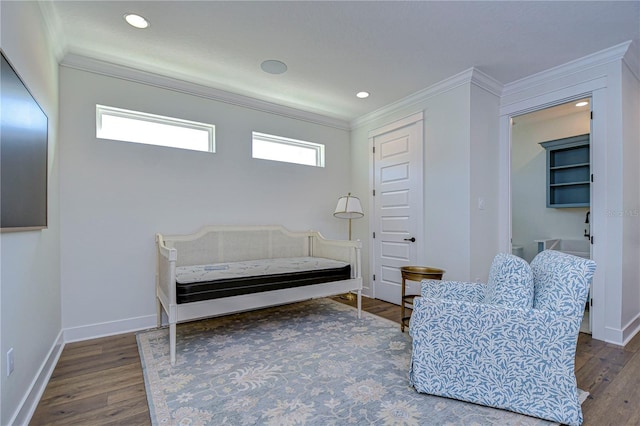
218, 245
338, 250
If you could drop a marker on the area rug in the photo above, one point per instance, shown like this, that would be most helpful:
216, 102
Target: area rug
312, 363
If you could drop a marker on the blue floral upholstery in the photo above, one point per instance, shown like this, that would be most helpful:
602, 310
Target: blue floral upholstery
518, 359
510, 282
461, 291
551, 292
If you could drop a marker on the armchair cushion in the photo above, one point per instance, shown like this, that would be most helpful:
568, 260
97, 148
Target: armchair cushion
510, 282
556, 286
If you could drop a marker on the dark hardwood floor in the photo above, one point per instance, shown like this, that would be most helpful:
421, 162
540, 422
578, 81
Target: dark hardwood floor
99, 382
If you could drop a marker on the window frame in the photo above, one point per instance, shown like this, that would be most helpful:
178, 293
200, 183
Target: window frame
318, 148
210, 129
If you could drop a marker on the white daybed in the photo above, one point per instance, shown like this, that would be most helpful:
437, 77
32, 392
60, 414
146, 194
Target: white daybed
225, 269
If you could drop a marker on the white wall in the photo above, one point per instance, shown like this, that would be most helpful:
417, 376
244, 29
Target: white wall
447, 183
484, 179
531, 219
116, 195
460, 165
29, 261
630, 216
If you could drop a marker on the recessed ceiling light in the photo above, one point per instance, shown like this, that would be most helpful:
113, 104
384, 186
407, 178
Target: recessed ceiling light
362, 95
136, 20
581, 104
273, 67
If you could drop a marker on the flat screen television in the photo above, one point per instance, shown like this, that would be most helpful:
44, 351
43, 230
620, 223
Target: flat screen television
23, 155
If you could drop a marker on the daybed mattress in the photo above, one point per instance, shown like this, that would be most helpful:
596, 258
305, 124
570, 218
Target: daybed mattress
204, 282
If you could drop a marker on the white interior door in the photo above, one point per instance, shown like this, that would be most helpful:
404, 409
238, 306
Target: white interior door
398, 203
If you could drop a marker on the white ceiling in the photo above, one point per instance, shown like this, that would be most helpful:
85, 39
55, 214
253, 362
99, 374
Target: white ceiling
554, 112
334, 49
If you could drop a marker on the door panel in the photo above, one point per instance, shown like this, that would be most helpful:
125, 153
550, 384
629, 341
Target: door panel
395, 173
395, 198
396, 251
397, 204
395, 224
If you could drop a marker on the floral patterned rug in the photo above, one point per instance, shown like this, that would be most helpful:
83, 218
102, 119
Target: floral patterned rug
312, 363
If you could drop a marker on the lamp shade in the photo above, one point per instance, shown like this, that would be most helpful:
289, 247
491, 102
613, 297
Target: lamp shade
348, 207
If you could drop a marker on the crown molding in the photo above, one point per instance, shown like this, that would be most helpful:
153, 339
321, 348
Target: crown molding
632, 59
469, 76
486, 82
614, 53
110, 69
53, 29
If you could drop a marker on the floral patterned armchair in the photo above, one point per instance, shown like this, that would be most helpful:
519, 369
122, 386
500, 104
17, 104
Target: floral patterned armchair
507, 344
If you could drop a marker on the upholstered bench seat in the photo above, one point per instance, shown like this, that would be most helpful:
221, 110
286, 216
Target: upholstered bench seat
204, 282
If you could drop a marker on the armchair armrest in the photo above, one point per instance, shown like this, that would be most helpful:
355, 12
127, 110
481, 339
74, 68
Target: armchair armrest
455, 290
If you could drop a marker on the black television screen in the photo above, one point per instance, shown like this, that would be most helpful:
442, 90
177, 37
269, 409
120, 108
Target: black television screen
23, 155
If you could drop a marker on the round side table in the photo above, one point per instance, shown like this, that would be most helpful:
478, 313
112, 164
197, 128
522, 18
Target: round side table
414, 273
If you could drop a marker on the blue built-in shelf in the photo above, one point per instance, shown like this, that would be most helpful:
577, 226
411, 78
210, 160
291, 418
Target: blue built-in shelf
568, 172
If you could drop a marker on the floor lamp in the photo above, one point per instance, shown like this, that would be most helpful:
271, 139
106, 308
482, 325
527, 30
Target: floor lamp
349, 207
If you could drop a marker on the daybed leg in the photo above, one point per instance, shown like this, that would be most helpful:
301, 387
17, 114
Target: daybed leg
158, 312
172, 342
359, 304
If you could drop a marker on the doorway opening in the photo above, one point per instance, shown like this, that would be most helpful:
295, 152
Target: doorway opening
550, 183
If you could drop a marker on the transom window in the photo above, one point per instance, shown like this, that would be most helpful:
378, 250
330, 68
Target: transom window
141, 127
278, 148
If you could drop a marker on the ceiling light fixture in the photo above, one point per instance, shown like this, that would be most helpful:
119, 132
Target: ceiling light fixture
272, 66
362, 95
582, 103
136, 20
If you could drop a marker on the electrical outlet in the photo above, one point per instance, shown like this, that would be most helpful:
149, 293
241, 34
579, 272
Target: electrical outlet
9, 362
481, 204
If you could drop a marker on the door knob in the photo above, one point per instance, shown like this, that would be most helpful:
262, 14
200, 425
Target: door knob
412, 239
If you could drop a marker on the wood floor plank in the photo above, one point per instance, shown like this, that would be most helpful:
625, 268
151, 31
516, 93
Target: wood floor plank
67, 411
134, 391
97, 355
95, 411
80, 367
620, 399
633, 345
596, 374
139, 419
95, 383
99, 382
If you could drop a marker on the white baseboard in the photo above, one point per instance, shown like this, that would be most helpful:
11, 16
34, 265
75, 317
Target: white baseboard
29, 403
622, 336
613, 336
111, 328
630, 330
